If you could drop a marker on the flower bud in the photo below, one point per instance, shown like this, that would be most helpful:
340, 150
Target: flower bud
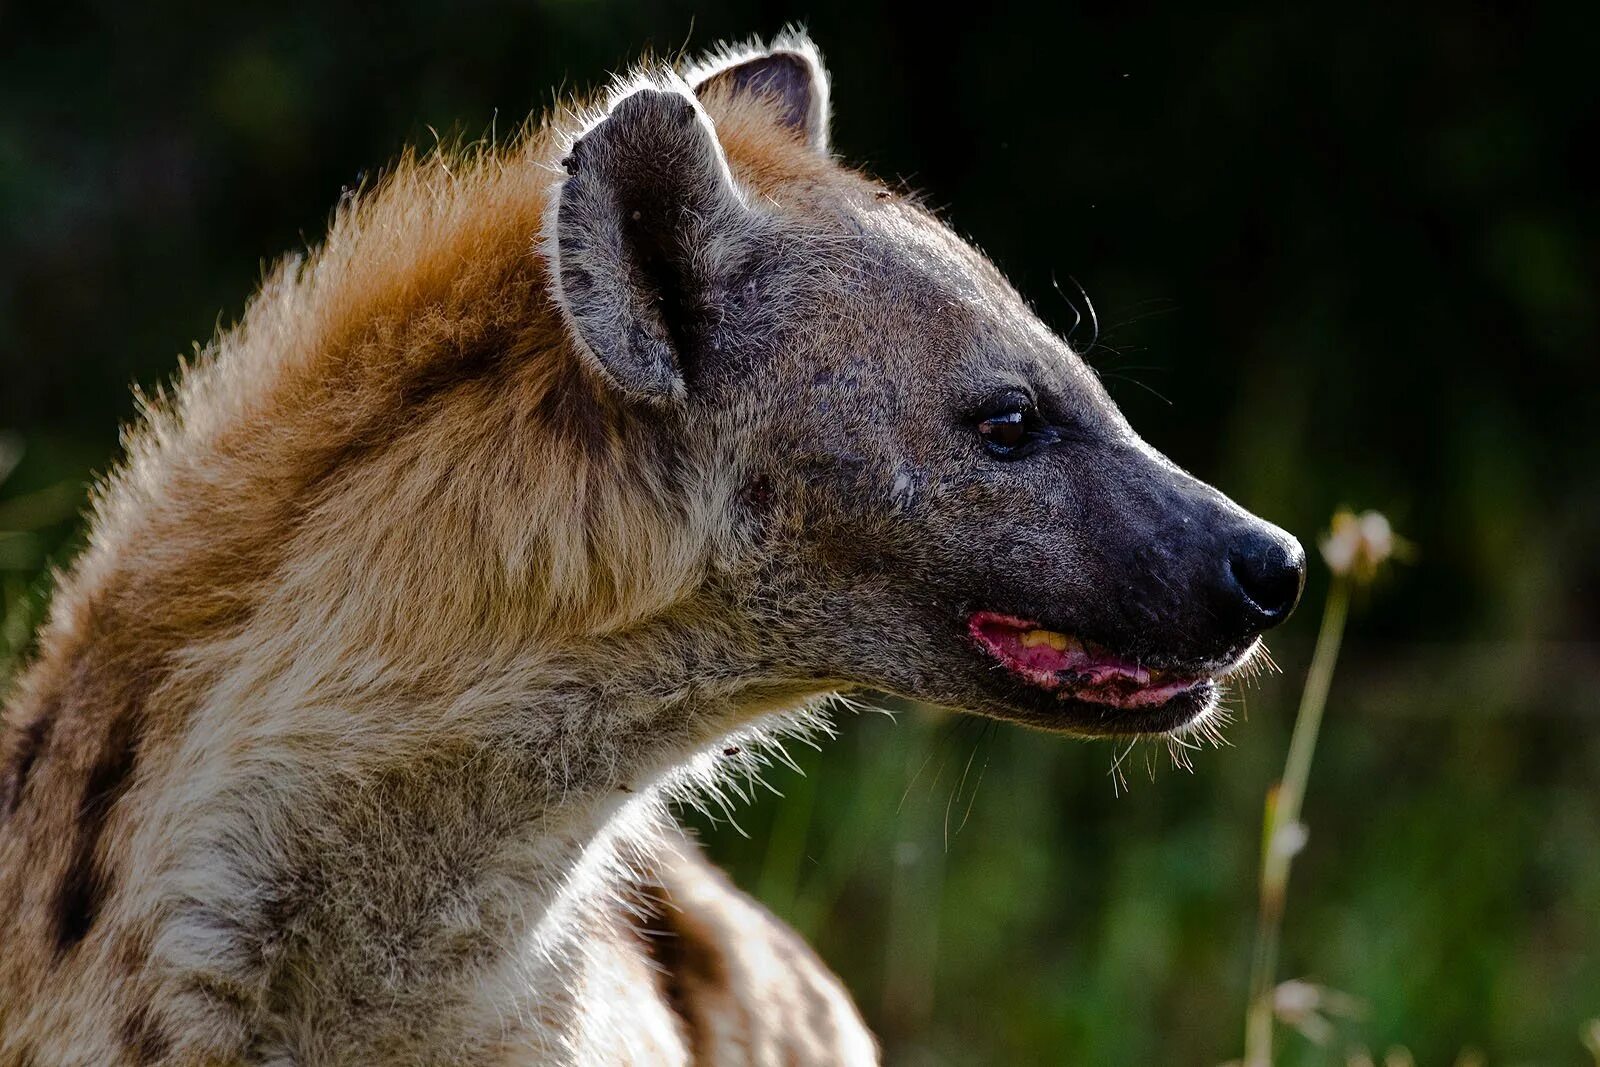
1356, 546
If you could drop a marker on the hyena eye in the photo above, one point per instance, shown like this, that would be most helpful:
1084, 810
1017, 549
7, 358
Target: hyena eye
1005, 431
1011, 428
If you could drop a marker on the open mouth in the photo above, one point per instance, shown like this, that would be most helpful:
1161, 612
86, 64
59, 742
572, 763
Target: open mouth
1076, 669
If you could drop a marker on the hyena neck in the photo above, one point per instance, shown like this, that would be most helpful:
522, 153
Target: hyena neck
484, 841
278, 828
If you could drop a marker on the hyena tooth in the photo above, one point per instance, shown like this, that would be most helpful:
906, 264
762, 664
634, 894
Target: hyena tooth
1059, 642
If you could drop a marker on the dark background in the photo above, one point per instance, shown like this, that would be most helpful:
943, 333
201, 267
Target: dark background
1337, 256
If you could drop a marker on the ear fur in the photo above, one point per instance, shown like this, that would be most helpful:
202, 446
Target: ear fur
790, 74
646, 219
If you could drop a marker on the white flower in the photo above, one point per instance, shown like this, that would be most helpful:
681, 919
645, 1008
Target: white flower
1355, 546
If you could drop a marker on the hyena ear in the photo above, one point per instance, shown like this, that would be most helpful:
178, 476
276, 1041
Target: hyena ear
646, 223
790, 76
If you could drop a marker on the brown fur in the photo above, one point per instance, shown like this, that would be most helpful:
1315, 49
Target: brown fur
556, 481
748, 989
330, 475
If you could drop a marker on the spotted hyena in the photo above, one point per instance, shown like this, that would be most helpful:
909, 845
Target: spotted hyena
560, 475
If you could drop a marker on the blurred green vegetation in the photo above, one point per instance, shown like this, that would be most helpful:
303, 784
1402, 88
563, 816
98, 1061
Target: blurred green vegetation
1337, 256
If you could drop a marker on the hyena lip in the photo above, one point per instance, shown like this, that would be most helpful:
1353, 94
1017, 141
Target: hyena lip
1077, 669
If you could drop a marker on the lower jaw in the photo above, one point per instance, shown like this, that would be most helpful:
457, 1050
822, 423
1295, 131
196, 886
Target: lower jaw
1068, 713
1118, 697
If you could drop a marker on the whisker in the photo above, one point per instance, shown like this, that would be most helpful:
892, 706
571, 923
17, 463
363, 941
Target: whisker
1134, 381
1119, 781
956, 795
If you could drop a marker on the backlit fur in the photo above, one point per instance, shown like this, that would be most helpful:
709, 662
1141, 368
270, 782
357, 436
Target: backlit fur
348, 735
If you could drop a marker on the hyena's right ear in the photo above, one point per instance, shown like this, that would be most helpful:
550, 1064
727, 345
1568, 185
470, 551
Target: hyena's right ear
646, 223
790, 76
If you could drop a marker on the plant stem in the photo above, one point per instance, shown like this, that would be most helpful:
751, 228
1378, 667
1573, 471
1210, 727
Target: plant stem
1282, 834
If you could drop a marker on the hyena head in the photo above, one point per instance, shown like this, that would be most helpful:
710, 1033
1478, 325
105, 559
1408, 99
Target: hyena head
934, 496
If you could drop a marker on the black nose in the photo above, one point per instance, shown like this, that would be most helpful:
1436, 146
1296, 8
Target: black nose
1268, 569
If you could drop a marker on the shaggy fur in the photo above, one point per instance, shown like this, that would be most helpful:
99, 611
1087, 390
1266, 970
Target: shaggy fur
559, 479
324, 757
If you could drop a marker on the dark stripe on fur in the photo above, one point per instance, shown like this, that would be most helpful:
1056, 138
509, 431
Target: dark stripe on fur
685, 960
144, 1040
32, 742
87, 883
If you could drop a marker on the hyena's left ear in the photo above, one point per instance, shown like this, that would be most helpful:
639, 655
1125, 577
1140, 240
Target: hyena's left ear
645, 227
790, 76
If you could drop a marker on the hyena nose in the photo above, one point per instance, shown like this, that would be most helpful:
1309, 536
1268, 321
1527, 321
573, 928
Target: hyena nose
1267, 570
